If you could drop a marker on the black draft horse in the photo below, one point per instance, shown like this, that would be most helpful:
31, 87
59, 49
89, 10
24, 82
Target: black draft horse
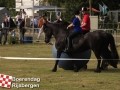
98, 41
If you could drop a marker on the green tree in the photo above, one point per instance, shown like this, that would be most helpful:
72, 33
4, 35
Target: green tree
8, 4
72, 5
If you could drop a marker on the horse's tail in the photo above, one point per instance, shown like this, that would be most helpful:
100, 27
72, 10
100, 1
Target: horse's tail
113, 49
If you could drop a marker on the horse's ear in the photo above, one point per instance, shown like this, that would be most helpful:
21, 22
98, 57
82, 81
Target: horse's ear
44, 20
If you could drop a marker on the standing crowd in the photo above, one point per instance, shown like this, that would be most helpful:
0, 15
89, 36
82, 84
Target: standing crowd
8, 26
80, 26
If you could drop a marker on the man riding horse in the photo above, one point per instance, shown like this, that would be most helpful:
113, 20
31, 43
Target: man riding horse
76, 31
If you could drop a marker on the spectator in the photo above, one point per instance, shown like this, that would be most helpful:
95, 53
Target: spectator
85, 21
35, 23
40, 26
0, 36
22, 30
11, 22
5, 28
23, 14
18, 17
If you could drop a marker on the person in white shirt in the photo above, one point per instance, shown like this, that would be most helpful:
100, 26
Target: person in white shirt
18, 17
23, 14
35, 23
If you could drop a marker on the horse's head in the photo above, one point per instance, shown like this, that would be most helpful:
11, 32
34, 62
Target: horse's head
48, 32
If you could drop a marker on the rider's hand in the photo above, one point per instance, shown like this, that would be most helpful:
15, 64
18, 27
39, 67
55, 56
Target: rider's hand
67, 27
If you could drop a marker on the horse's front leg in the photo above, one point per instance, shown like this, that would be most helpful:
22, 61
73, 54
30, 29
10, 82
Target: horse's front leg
104, 65
98, 66
98, 69
57, 61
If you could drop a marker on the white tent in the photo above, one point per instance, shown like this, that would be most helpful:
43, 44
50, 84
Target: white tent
40, 7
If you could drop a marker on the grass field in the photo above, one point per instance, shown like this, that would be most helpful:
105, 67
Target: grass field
60, 80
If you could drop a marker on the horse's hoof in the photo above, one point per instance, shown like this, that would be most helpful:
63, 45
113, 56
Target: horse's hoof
104, 68
54, 70
97, 70
75, 69
85, 67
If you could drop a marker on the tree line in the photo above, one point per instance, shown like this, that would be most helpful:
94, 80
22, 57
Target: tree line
8, 4
72, 5
69, 5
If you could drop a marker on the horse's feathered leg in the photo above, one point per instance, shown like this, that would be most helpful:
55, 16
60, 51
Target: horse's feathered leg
75, 66
98, 69
106, 55
56, 62
55, 66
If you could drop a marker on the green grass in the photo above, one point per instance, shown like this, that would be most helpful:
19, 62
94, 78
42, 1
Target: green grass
60, 80
27, 50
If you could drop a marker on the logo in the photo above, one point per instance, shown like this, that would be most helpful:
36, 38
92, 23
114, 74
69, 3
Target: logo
5, 81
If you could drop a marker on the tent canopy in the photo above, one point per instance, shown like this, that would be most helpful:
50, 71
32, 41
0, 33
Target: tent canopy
40, 7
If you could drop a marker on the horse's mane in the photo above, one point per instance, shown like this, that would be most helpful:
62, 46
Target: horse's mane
62, 25
65, 23
59, 28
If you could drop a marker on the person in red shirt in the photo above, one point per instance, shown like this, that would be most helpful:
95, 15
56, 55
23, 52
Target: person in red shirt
85, 24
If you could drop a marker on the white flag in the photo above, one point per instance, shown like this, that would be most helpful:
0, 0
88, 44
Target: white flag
100, 8
104, 9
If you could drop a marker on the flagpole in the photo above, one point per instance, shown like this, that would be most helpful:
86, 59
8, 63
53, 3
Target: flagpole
90, 7
33, 15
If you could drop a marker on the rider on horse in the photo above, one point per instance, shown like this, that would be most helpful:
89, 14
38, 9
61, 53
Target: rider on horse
76, 31
85, 25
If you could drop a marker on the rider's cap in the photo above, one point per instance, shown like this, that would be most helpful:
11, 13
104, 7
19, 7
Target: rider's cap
84, 9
